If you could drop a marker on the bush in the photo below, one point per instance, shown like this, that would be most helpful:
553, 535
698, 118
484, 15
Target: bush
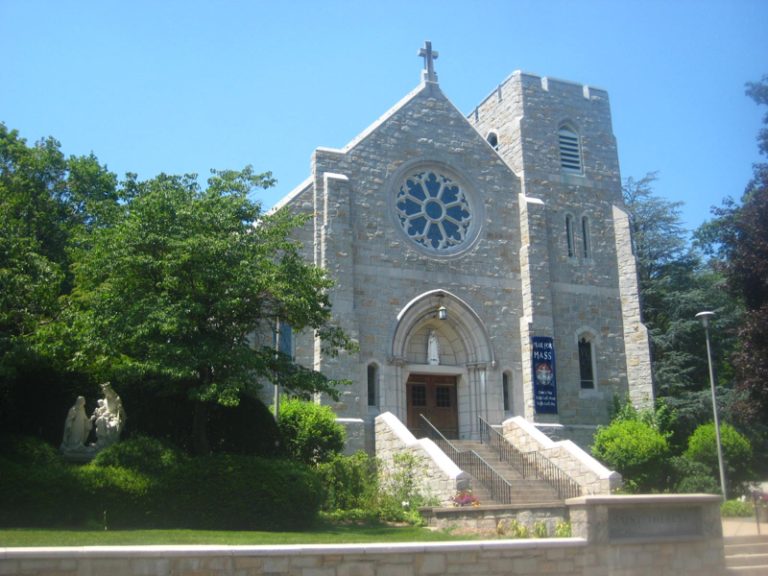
142, 454
230, 492
736, 509
349, 483
636, 450
400, 496
28, 450
737, 454
310, 432
145, 483
114, 497
689, 477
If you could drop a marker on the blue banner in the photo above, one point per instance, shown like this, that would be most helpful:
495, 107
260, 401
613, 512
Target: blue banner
544, 381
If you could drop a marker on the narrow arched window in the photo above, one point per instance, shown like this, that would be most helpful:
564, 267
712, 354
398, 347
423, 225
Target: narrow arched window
493, 140
505, 391
284, 338
570, 149
586, 363
373, 385
585, 240
569, 235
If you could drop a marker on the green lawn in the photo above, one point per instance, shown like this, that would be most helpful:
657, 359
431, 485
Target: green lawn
323, 535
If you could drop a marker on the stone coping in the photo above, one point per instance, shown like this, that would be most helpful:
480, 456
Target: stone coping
624, 499
495, 507
283, 550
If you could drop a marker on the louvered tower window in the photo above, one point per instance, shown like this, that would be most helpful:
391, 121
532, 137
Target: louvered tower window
570, 149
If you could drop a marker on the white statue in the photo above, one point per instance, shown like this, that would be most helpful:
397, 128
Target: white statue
433, 349
77, 426
109, 418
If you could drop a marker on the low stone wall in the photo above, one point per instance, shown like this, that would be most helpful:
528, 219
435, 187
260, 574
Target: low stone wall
593, 477
495, 519
622, 535
438, 475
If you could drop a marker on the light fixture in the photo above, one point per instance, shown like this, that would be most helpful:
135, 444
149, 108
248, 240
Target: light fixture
442, 312
704, 317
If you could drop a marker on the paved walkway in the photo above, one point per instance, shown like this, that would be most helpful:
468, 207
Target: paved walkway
743, 527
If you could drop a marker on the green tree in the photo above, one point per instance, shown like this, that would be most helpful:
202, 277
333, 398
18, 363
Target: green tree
173, 287
737, 238
674, 286
737, 454
46, 200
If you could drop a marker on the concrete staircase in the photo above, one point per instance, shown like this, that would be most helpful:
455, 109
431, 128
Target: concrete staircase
528, 492
746, 555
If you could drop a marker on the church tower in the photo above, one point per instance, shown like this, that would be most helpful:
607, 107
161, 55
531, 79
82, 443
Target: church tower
483, 263
577, 267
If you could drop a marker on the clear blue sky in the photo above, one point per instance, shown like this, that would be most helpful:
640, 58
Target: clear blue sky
181, 86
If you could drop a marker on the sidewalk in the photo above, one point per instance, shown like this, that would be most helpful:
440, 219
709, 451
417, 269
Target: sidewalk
743, 527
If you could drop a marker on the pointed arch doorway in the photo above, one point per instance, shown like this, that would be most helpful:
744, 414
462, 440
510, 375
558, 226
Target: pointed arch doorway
450, 389
433, 396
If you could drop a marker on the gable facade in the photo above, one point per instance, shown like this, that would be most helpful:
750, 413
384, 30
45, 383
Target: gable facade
483, 263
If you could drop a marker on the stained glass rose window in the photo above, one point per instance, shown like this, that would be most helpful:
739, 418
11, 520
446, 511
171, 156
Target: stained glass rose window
433, 210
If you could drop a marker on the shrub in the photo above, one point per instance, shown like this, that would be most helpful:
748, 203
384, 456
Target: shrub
400, 496
635, 449
36, 487
513, 529
115, 497
28, 450
540, 530
142, 454
689, 477
310, 432
737, 454
348, 483
563, 529
736, 509
145, 483
233, 492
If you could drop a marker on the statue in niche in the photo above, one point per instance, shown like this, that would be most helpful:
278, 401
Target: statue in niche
433, 349
77, 426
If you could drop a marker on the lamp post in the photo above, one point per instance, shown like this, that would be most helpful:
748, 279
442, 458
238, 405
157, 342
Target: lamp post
704, 317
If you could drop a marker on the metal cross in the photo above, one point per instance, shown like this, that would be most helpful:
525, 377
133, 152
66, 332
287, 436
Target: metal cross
429, 56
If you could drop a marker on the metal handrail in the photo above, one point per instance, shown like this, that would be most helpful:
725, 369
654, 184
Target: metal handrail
531, 464
471, 462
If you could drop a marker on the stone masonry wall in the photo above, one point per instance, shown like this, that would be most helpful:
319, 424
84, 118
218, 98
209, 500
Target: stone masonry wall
593, 291
437, 476
593, 477
601, 546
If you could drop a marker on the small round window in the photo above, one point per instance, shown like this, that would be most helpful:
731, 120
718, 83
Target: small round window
434, 211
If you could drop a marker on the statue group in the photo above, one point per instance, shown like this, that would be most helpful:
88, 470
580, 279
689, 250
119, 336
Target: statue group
108, 419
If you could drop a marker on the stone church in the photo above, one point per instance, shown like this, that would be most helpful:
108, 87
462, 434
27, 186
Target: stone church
483, 262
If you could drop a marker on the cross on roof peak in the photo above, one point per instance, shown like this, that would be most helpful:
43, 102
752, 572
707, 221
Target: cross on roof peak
429, 57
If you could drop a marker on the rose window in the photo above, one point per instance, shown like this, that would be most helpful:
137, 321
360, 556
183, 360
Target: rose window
433, 210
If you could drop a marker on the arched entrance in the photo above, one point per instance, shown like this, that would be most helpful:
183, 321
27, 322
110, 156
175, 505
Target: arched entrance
441, 364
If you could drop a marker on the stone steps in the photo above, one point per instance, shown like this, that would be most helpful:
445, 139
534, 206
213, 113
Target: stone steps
528, 491
746, 555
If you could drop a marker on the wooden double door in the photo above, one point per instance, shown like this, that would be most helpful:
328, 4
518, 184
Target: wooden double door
434, 397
